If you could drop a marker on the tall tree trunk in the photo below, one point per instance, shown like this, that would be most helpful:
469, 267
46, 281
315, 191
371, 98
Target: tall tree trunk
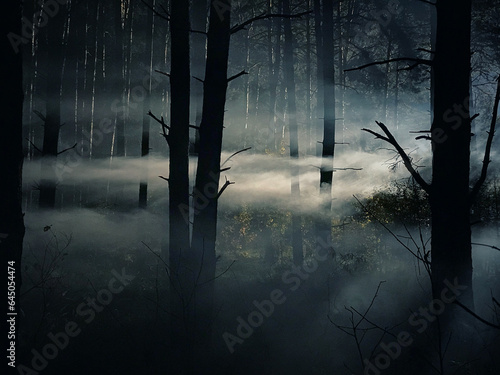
178, 140
118, 83
205, 194
199, 49
148, 62
324, 230
53, 71
451, 129
11, 165
289, 75
318, 31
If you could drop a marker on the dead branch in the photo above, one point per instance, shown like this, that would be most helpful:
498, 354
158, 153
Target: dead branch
164, 178
236, 76
165, 16
39, 114
406, 159
412, 59
482, 320
485, 245
491, 134
224, 188
164, 126
67, 149
236, 153
34, 146
263, 16
162, 73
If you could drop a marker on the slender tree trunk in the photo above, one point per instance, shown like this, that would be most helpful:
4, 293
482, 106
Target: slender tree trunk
199, 49
118, 76
148, 62
289, 75
178, 139
53, 71
205, 195
451, 128
11, 166
324, 230
318, 30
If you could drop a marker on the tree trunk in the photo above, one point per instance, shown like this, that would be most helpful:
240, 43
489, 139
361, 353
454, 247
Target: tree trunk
53, 71
324, 230
11, 165
118, 83
178, 140
289, 75
205, 194
319, 70
148, 62
199, 49
451, 128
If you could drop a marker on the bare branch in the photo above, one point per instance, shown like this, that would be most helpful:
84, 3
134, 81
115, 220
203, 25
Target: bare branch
199, 79
165, 16
415, 60
484, 321
34, 146
491, 134
67, 149
236, 153
406, 159
162, 73
224, 188
164, 178
39, 114
164, 126
485, 245
236, 76
264, 16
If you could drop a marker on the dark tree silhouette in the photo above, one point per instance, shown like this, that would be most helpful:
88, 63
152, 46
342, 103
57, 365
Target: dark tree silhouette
289, 75
208, 170
53, 76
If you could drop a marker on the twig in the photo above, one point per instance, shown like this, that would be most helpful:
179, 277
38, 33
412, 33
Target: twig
406, 159
67, 149
484, 321
224, 188
416, 60
236, 153
485, 245
239, 27
236, 76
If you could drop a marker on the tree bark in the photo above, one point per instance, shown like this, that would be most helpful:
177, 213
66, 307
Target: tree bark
205, 194
148, 61
451, 128
178, 140
289, 76
324, 230
53, 71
